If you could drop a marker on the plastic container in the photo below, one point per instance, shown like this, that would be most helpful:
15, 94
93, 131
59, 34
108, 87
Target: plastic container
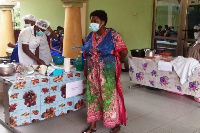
57, 72
58, 60
79, 64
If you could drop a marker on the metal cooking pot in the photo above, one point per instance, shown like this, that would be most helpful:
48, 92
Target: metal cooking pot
150, 52
6, 69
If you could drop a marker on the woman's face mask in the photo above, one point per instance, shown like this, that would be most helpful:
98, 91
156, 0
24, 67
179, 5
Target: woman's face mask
94, 27
39, 33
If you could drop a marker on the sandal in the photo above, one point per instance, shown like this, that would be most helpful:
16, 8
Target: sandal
90, 130
116, 129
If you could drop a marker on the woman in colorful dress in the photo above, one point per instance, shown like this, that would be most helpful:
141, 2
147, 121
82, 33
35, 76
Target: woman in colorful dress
103, 50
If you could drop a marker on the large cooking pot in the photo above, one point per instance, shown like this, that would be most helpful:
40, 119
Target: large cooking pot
6, 69
138, 53
4, 59
150, 52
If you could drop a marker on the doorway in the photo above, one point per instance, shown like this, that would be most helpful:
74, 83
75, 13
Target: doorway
173, 24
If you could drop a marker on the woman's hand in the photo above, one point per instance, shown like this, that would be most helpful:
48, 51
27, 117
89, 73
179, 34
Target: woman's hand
123, 54
40, 62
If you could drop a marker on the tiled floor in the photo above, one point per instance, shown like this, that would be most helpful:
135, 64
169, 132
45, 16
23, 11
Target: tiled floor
149, 111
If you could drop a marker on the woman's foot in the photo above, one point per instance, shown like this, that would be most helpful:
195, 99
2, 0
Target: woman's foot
89, 130
116, 129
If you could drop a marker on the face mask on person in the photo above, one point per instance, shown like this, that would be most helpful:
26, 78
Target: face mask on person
27, 25
60, 31
94, 27
197, 35
39, 33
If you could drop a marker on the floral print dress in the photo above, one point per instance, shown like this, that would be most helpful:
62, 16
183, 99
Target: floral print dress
102, 69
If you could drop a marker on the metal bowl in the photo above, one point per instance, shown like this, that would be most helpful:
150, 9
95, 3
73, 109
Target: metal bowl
6, 69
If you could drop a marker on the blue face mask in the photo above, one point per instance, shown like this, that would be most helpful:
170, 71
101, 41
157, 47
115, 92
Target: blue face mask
94, 27
27, 25
39, 33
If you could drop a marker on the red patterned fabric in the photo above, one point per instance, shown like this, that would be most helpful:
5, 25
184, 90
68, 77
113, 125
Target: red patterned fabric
103, 69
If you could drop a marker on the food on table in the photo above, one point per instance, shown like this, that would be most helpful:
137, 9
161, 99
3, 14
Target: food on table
165, 54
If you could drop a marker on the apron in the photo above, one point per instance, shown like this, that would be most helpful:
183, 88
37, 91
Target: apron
44, 51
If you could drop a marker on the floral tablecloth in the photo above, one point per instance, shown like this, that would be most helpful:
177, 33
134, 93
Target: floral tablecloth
145, 72
35, 97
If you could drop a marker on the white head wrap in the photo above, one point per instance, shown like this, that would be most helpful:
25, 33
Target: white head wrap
43, 24
29, 17
197, 27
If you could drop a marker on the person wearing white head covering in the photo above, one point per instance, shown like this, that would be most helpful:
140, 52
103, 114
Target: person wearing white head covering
29, 20
194, 50
30, 39
44, 49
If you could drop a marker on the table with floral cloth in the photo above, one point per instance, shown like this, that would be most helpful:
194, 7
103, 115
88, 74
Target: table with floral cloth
145, 72
35, 97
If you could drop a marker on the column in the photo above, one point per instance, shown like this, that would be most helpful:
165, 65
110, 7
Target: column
6, 27
170, 19
72, 28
